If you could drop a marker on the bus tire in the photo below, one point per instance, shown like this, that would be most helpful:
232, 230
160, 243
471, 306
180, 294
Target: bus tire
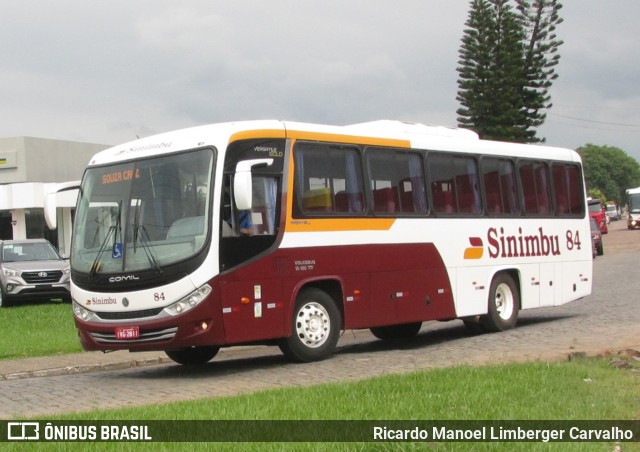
504, 302
193, 356
315, 329
403, 331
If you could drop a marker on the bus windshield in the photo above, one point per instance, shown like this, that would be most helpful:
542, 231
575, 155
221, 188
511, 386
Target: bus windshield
142, 215
634, 203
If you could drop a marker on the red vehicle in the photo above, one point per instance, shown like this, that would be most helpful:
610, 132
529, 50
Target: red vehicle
598, 213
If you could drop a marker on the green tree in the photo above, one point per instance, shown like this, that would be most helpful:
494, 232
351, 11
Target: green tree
506, 67
540, 19
610, 170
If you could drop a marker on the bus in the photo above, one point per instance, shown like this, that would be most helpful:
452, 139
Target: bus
287, 234
633, 203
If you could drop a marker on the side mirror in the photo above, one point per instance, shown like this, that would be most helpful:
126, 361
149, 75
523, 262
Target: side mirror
242, 187
50, 204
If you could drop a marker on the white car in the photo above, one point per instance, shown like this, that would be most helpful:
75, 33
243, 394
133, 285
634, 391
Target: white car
612, 212
32, 269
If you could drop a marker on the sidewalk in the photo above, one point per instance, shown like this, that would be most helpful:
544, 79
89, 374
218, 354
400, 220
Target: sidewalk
74, 363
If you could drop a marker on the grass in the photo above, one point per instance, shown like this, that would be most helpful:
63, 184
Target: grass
575, 390
37, 330
580, 389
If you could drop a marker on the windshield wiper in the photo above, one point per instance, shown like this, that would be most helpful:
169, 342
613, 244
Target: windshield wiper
113, 230
144, 241
96, 263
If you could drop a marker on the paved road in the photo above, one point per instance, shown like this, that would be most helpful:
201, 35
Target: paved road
607, 320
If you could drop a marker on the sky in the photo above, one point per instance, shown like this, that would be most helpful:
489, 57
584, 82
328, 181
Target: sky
108, 72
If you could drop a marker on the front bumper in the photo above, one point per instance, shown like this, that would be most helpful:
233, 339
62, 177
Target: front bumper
199, 326
17, 289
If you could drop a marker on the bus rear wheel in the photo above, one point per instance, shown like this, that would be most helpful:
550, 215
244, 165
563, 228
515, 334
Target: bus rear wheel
504, 302
193, 356
315, 329
404, 331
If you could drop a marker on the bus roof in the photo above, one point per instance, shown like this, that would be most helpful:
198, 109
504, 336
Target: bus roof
418, 136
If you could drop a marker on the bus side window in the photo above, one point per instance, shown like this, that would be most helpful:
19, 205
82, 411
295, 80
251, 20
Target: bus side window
567, 188
454, 184
397, 181
498, 177
534, 179
261, 219
328, 180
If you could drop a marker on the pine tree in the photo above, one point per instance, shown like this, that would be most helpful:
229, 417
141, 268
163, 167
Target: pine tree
504, 69
475, 70
540, 18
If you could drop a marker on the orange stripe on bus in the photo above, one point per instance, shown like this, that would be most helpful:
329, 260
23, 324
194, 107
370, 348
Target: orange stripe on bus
258, 133
317, 136
347, 139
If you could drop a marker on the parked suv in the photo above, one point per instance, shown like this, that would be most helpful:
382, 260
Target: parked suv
32, 269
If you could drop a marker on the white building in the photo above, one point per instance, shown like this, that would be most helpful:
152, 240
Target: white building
31, 167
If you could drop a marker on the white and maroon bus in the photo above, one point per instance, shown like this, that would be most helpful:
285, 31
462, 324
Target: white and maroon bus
633, 203
270, 232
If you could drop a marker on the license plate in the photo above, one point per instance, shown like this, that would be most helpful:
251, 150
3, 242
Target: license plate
128, 332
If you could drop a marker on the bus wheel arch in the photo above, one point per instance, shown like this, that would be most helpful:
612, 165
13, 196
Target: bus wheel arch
504, 302
332, 287
315, 325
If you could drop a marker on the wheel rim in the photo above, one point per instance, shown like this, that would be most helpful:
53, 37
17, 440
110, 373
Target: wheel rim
504, 301
313, 325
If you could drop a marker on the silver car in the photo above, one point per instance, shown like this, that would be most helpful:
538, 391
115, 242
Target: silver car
32, 269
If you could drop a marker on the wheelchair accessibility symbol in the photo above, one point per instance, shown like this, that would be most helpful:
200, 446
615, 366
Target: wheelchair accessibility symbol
116, 253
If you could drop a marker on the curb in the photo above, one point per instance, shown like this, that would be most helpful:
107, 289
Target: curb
69, 370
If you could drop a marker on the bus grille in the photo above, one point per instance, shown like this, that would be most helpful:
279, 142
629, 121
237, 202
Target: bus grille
42, 277
145, 336
129, 315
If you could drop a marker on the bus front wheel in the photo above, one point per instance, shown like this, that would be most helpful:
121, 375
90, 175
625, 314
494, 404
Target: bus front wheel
315, 329
504, 302
193, 356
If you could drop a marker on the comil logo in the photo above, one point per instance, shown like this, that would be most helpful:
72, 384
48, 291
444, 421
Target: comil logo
476, 250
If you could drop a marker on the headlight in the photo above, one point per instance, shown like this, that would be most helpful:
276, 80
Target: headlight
11, 272
190, 301
82, 313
